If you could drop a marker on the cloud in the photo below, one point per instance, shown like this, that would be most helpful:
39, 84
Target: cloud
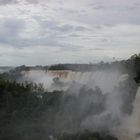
4, 2
33, 1
56, 42
61, 27
81, 30
10, 30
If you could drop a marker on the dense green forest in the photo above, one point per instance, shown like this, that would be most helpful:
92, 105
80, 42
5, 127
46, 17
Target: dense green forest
27, 112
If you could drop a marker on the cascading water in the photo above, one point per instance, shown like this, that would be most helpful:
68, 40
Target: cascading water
66, 78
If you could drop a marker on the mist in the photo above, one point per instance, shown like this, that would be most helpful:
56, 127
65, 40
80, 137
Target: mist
104, 101
62, 80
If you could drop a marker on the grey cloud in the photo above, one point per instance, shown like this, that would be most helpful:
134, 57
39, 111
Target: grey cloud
58, 27
37, 1
64, 28
106, 12
97, 6
74, 35
96, 49
10, 30
20, 42
13, 26
68, 10
33, 1
70, 28
132, 7
4, 2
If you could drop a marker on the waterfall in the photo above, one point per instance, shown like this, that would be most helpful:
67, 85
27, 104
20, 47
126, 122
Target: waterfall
105, 80
114, 85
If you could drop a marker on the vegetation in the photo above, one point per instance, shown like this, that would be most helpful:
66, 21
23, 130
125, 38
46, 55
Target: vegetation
136, 61
58, 67
86, 135
23, 110
27, 112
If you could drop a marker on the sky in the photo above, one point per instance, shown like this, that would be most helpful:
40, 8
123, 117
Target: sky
44, 32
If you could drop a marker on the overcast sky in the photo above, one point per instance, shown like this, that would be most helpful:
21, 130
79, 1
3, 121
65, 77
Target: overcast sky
45, 32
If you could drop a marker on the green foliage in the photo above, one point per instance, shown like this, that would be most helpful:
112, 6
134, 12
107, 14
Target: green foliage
58, 67
136, 60
23, 110
26, 112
